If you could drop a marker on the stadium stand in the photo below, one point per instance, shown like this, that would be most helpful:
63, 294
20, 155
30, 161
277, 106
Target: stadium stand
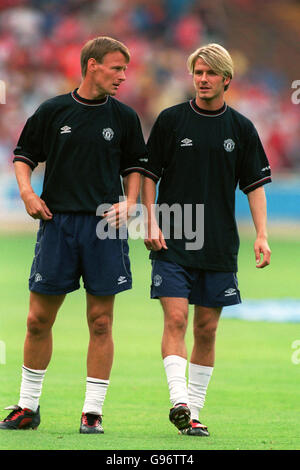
40, 42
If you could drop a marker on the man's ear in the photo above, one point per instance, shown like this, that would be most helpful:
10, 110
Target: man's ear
226, 81
92, 65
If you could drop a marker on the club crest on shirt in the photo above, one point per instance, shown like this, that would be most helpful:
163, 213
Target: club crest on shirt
108, 133
229, 145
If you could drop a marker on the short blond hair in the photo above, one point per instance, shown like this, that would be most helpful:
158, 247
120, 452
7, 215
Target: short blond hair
97, 48
216, 56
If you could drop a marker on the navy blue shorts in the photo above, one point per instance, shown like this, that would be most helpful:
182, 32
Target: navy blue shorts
68, 248
200, 287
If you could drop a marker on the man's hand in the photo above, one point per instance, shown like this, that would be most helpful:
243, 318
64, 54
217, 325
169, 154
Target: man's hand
261, 247
36, 207
258, 207
154, 237
119, 213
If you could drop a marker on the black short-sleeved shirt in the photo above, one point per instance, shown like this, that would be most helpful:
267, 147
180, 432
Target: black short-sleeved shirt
200, 157
87, 145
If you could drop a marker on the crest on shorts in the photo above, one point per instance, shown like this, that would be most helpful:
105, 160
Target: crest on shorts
108, 133
157, 280
229, 145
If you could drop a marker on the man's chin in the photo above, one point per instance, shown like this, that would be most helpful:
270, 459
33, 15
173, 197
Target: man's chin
205, 98
113, 92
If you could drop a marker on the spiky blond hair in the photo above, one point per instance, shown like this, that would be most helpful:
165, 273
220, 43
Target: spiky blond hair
216, 56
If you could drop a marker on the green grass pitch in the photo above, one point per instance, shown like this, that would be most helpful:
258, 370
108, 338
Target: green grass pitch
253, 397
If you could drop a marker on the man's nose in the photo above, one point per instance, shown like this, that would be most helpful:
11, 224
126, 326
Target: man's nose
122, 75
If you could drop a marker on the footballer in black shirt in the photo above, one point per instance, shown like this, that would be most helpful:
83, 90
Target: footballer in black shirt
199, 152
89, 141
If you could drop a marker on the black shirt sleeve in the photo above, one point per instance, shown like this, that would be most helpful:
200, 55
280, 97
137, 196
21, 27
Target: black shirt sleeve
254, 168
156, 147
135, 158
29, 148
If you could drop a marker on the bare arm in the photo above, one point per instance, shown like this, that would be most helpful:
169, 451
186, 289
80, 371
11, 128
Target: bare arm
34, 205
132, 186
154, 239
119, 212
258, 208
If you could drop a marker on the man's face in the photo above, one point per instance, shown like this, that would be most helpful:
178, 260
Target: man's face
207, 83
110, 73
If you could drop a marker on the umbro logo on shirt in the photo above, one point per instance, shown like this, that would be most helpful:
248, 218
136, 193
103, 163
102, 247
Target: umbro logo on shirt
65, 130
186, 142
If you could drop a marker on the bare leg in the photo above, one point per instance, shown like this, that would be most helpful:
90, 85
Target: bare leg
174, 355
38, 342
205, 326
37, 347
101, 347
175, 324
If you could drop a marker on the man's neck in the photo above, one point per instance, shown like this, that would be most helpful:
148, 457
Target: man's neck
89, 91
210, 105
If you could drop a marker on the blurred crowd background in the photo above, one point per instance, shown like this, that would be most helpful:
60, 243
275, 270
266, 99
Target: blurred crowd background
40, 43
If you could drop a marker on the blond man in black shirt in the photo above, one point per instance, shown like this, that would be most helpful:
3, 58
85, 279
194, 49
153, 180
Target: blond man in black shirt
199, 151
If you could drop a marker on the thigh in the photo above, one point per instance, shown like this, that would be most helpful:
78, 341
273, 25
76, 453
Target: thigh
175, 309
44, 308
105, 263
216, 289
206, 316
170, 280
55, 267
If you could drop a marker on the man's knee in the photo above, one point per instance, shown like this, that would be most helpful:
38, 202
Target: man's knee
205, 330
38, 324
42, 312
176, 320
101, 326
100, 321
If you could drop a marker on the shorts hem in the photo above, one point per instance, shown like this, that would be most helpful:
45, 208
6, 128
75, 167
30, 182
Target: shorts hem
110, 292
54, 292
200, 304
169, 295
203, 304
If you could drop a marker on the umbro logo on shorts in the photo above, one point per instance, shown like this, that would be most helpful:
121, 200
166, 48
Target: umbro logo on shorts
121, 280
229, 292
